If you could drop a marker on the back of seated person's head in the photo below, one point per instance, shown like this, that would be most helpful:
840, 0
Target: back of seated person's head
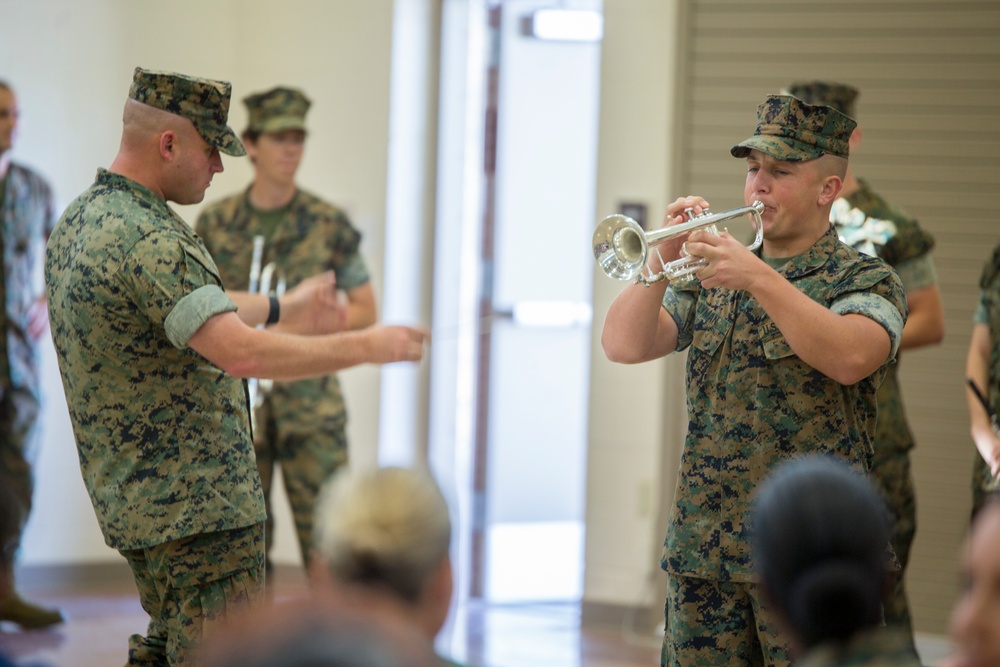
308, 633
388, 531
820, 532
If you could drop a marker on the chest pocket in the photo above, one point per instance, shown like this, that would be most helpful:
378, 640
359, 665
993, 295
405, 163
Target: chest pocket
712, 324
774, 343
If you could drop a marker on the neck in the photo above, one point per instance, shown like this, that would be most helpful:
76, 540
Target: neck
137, 170
266, 195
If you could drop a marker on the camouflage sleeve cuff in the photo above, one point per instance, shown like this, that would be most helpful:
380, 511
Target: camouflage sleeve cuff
193, 311
982, 314
876, 308
680, 305
352, 274
917, 273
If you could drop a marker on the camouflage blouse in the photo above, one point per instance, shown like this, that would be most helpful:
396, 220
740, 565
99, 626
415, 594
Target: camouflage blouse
163, 435
752, 403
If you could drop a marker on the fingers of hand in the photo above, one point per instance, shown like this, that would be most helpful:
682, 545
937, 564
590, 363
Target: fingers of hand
679, 210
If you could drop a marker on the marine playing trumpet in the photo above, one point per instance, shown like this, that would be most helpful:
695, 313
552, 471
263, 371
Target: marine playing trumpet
621, 245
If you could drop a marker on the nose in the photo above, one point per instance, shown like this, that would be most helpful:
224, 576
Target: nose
215, 163
760, 181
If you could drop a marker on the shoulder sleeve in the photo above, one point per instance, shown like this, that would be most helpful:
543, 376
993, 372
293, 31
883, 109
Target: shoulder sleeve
875, 291
909, 242
161, 271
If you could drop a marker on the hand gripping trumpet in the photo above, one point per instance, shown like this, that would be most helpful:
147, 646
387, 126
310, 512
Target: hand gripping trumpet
621, 246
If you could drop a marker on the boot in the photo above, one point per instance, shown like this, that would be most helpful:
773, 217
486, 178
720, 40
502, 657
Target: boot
15, 609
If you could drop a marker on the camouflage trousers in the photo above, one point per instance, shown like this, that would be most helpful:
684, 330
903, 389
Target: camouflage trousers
189, 587
719, 624
19, 412
307, 454
891, 473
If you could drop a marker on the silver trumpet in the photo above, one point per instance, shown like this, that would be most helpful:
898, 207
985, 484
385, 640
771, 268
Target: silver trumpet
260, 283
621, 246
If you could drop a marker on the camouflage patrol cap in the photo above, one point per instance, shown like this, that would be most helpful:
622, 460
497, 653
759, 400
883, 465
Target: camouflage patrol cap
788, 129
837, 95
276, 110
205, 102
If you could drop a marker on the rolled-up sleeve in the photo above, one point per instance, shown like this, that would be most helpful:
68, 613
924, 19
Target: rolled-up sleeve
194, 310
874, 307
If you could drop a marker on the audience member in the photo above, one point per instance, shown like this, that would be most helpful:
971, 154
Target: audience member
975, 620
382, 541
311, 632
820, 536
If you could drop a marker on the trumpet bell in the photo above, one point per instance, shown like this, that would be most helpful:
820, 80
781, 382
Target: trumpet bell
620, 247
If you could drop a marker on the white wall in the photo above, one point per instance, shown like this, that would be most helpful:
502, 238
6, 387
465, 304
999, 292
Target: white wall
71, 63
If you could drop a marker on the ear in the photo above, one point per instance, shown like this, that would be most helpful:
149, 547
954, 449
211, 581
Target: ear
168, 145
830, 188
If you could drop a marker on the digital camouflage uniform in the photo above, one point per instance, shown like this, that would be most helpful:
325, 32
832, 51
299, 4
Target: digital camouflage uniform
27, 217
988, 313
301, 425
163, 436
753, 404
881, 647
867, 222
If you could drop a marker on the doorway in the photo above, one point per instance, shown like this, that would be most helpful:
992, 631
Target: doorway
519, 198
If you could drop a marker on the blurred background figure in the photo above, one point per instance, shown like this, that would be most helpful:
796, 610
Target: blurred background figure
869, 223
309, 633
10, 533
820, 535
975, 620
299, 426
982, 370
27, 216
382, 541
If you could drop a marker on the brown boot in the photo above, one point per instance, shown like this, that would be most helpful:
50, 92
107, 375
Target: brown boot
29, 616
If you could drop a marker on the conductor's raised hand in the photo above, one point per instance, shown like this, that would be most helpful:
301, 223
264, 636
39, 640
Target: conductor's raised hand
391, 343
